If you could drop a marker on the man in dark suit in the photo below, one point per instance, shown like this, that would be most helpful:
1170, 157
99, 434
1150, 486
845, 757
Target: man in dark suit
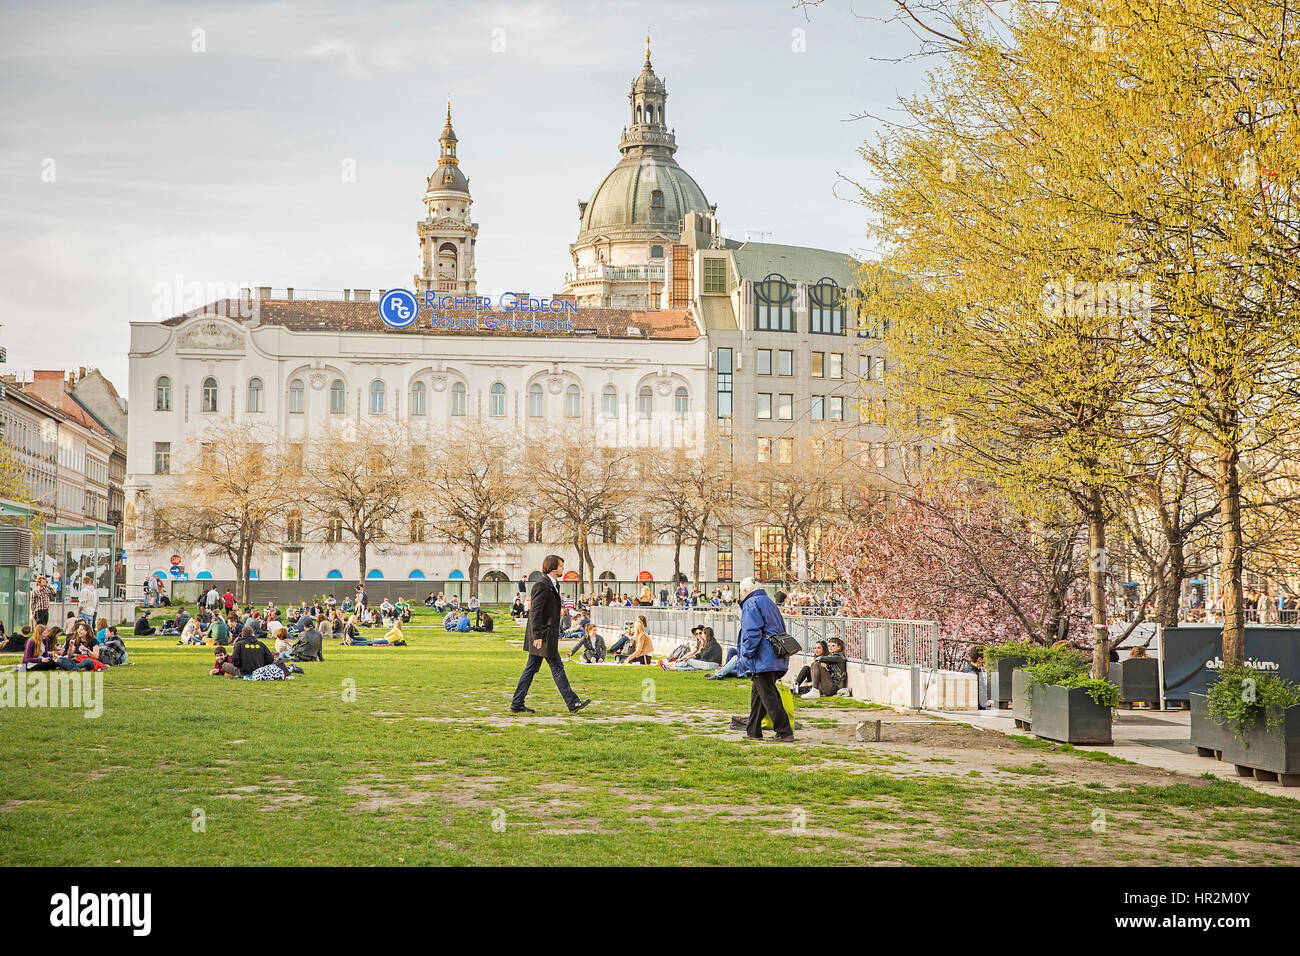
542, 638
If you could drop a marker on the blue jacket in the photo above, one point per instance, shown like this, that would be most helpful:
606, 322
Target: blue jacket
464, 624
758, 618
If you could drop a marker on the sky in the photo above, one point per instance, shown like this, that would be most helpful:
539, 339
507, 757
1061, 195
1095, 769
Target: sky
145, 145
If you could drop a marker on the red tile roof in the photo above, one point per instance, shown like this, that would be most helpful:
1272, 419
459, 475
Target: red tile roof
319, 315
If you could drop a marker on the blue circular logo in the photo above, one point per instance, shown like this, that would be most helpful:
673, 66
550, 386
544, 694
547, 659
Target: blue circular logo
399, 309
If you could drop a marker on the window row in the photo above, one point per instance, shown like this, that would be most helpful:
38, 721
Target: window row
377, 399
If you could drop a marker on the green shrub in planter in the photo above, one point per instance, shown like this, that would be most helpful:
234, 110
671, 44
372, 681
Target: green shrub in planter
1079, 707
1242, 695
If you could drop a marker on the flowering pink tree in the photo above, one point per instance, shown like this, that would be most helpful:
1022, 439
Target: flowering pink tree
964, 559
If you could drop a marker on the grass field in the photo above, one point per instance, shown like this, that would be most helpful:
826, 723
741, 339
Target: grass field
426, 766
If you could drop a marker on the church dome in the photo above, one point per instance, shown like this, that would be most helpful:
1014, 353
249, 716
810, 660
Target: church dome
647, 191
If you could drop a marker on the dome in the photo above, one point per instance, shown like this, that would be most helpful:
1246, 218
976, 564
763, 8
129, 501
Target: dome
627, 202
648, 82
448, 179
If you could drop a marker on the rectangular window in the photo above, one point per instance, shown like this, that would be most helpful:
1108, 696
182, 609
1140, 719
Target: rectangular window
764, 449
785, 407
724, 383
535, 528
785, 451
785, 362
764, 406
818, 411
836, 369
724, 553
764, 362
162, 458
818, 364
715, 276
837, 408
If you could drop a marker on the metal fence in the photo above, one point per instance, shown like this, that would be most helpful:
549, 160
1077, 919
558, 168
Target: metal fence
867, 640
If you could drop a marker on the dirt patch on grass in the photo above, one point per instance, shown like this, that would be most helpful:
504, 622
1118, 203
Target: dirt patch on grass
376, 800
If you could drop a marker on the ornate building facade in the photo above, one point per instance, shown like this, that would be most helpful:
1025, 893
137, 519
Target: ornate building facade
447, 233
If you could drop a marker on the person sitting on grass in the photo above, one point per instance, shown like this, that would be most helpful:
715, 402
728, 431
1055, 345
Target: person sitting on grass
624, 639
440, 603
517, 612
403, 608
39, 651
142, 626
483, 621
308, 646
827, 673
449, 620
17, 640
283, 641
248, 654
707, 655
728, 668
351, 632
394, 637
463, 624
219, 661
193, 633
592, 646
641, 647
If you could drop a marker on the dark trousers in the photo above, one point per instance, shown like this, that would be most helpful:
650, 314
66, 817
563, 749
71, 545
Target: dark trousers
763, 700
530, 671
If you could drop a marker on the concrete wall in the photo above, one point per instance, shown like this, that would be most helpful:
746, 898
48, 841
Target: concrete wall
879, 683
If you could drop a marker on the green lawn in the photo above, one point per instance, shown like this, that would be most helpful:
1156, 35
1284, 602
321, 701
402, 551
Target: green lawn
425, 766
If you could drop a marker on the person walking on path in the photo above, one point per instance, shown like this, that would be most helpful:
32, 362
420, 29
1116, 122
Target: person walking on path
756, 659
542, 639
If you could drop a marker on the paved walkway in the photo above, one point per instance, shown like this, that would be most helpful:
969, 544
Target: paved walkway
1153, 738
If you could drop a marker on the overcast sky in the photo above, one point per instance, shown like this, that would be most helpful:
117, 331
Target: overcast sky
142, 142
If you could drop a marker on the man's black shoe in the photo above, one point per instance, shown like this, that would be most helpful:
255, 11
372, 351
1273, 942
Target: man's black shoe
522, 710
579, 705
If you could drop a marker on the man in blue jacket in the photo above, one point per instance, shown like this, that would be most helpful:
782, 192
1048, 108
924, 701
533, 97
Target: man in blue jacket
759, 617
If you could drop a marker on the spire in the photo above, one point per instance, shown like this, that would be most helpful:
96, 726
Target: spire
447, 154
647, 48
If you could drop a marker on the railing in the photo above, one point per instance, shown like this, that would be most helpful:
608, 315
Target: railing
640, 273
890, 643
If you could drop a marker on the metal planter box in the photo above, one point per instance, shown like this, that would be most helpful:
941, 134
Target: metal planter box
1137, 680
1263, 753
1069, 715
1207, 736
1020, 704
1000, 679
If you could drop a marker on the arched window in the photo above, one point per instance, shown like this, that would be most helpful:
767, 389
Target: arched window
573, 402
496, 576
255, 395
681, 402
773, 305
608, 576
209, 394
297, 396
418, 396
338, 397
458, 399
656, 199
609, 402
162, 395
376, 397
826, 307
293, 527
535, 400
656, 252
645, 403
497, 401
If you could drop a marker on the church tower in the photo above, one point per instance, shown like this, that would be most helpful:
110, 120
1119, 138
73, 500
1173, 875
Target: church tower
447, 235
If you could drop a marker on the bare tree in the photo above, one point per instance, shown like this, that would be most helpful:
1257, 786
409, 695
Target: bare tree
363, 484
471, 487
232, 488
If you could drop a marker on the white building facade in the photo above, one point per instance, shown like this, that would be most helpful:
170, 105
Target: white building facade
297, 367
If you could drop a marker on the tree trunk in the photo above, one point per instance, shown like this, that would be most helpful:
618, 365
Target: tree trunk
1230, 554
1097, 584
1171, 585
695, 567
474, 565
361, 559
677, 561
240, 577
